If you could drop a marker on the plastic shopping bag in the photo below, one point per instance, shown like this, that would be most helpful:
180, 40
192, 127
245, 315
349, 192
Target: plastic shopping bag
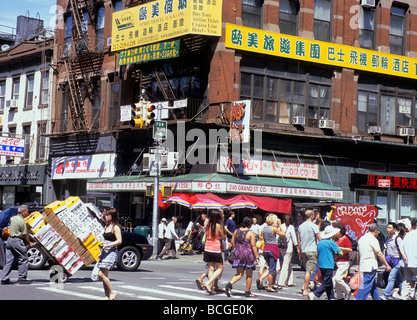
94, 274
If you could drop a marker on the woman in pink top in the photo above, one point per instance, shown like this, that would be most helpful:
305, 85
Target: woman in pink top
215, 233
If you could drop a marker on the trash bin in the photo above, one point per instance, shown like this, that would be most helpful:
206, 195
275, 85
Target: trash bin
143, 230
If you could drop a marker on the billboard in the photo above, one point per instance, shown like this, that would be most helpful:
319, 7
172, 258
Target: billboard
161, 20
328, 53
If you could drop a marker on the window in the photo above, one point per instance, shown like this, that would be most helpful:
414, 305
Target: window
45, 88
288, 16
27, 137
118, 5
367, 110
41, 141
95, 113
67, 36
322, 20
114, 102
2, 94
100, 29
29, 90
15, 88
252, 13
64, 109
281, 92
367, 28
397, 30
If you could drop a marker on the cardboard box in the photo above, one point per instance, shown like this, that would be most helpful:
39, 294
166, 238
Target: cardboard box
76, 266
48, 216
56, 207
88, 258
58, 247
62, 253
52, 241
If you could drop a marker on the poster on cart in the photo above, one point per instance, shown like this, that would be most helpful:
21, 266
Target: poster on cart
84, 166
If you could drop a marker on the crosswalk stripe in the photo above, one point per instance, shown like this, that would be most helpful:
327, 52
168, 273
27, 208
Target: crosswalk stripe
161, 292
72, 293
122, 293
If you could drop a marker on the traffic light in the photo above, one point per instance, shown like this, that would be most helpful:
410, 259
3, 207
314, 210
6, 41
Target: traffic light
166, 191
149, 190
150, 114
137, 115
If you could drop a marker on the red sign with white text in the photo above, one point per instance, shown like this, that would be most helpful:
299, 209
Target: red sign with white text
355, 217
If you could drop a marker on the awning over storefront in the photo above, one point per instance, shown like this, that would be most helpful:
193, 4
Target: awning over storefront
198, 200
223, 183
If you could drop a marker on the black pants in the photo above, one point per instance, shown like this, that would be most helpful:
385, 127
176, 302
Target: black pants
327, 285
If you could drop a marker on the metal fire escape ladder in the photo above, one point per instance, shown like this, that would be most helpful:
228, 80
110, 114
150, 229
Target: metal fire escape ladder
80, 35
76, 101
165, 86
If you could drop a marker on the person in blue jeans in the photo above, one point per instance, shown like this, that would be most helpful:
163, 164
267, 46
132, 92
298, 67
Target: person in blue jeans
326, 250
369, 251
393, 257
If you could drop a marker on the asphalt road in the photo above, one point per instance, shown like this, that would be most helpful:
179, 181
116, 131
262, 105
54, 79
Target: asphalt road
153, 281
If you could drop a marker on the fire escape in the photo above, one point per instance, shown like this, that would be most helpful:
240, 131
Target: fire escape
83, 63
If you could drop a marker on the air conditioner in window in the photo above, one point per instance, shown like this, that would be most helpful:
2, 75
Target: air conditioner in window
374, 130
11, 104
406, 132
368, 3
148, 158
326, 124
298, 121
109, 42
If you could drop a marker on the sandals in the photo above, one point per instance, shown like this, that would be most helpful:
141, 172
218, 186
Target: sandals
228, 289
199, 284
248, 294
259, 285
211, 292
270, 290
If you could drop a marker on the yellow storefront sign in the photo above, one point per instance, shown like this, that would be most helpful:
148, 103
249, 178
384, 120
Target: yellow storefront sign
283, 45
165, 19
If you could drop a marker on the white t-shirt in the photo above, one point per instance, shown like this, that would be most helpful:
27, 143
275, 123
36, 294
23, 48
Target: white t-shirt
368, 247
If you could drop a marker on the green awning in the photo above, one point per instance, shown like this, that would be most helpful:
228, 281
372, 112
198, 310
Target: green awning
223, 183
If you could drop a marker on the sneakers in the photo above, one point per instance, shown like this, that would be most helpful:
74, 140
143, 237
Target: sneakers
311, 296
7, 281
24, 281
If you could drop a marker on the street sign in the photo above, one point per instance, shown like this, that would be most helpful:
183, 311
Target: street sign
160, 130
125, 113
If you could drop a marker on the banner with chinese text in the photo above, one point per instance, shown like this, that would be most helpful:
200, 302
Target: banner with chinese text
161, 20
157, 51
283, 45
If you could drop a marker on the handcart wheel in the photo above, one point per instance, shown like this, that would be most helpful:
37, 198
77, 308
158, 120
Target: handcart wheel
58, 274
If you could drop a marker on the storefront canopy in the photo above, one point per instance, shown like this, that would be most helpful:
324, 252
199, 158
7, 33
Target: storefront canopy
210, 200
224, 184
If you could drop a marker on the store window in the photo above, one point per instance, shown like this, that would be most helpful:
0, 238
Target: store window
397, 29
252, 13
322, 20
280, 92
367, 27
288, 16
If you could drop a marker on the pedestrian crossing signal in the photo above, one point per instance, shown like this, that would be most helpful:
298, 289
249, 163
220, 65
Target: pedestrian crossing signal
166, 191
149, 190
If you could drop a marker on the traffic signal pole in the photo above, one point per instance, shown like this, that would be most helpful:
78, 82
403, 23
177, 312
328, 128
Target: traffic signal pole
155, 213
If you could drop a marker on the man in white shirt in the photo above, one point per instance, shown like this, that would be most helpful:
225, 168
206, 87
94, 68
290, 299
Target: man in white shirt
170, 237
369, 251
408, 250
161, 234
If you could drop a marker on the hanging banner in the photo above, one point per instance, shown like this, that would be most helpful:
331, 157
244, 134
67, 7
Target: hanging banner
12, 147
355, 217
239, 126
328, 53
161, 20
157, 51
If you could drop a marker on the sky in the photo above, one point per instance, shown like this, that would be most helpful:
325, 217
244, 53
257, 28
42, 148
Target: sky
10, 9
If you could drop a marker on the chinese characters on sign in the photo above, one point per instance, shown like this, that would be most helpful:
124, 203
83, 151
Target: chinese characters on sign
277, 167
239, 126
160, 20
277, 44
158, 51
381, 181
12, 147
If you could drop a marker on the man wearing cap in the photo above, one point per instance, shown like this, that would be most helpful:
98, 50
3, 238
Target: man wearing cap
326, 250
16, 247
162, 228
369, 251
